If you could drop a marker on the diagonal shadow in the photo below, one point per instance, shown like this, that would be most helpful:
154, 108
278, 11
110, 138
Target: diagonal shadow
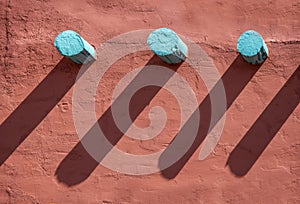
234, 79
28, 115
256, 140
78, 164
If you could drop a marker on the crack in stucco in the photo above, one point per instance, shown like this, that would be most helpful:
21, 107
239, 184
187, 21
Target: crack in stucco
215, 47
7, 33
287, 42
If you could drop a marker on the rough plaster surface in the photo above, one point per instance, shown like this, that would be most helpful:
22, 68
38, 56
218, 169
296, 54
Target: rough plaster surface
257, 158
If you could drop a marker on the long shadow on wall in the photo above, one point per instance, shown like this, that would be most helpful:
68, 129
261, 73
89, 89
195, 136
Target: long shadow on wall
234, 79
28, 115
78, 164
256, 140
